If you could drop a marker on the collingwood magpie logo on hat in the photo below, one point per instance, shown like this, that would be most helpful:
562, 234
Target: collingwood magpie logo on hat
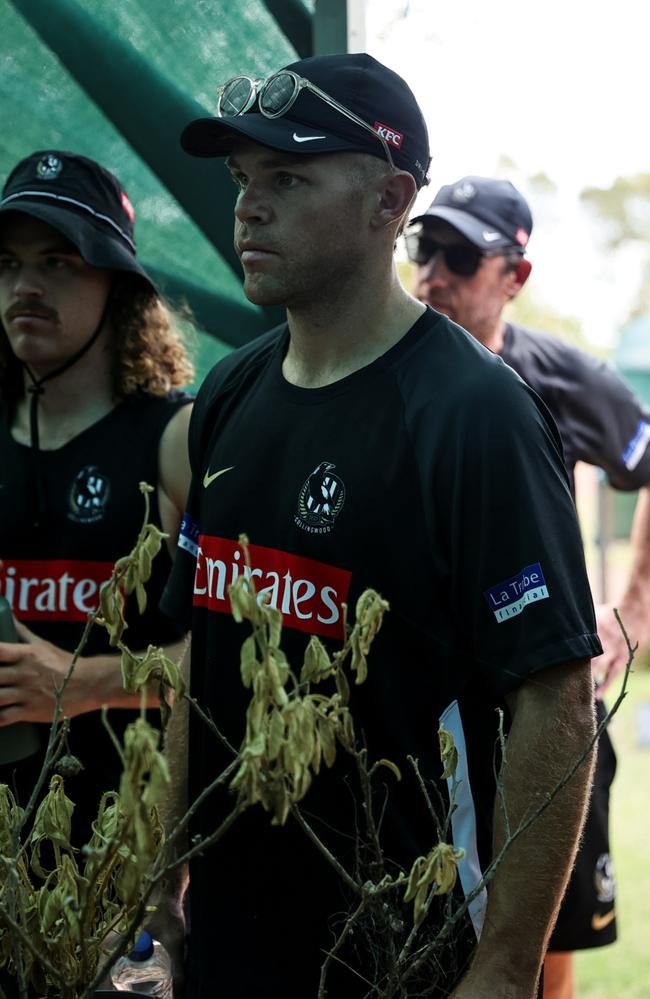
49, 167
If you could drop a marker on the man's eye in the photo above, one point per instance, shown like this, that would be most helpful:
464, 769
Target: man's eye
288, 180
8, 263
57, 263
239, 180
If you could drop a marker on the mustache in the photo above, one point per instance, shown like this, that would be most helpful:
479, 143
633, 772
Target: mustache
35, 309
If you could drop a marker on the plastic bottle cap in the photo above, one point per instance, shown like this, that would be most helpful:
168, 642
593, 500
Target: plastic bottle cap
143, 949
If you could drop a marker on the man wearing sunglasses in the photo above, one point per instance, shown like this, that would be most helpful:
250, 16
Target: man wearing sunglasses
328, 443
469, 249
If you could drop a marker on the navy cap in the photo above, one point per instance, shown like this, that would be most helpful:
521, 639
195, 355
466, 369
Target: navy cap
80, 199
357, 81
488, 212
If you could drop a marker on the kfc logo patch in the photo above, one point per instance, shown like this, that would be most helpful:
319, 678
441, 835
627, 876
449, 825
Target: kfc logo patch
392, 137
127, 206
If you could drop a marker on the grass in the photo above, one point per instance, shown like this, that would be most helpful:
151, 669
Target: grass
622, 970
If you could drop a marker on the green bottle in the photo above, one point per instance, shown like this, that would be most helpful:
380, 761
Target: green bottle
21, 739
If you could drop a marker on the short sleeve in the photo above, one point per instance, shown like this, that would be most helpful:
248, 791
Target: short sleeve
519, 586
608, 425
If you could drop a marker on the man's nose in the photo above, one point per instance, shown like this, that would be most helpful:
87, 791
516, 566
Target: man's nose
435, 271
252, 206
28, 281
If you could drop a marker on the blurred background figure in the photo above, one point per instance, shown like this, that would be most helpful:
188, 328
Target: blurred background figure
469, 248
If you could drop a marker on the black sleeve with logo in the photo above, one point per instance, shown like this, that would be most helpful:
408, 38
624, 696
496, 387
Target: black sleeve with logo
600, 419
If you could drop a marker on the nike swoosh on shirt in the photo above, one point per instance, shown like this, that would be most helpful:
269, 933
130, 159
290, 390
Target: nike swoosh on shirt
599, 922
307, 138
489, 237
209, 479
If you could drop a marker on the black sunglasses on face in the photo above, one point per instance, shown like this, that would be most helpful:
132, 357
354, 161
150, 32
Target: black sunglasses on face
459, 259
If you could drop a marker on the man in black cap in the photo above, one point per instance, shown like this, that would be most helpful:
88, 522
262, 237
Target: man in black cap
329, 444
91, 364
469, 247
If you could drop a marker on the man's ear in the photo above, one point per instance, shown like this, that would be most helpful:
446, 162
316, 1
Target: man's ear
517, 278
395, 197
523, 273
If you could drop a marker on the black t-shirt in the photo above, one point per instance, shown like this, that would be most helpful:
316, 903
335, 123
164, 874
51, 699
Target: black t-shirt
433, 475
92, 511
600, 420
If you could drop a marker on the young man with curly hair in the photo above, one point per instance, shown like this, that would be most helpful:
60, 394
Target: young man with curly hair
91, 370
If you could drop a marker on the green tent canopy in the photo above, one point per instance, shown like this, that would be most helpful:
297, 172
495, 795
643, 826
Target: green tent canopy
117, 82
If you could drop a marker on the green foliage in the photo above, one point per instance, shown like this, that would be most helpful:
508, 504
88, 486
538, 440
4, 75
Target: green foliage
527, 310
624, 208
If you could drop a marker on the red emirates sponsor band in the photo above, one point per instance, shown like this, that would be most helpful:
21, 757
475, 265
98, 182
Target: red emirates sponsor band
308, 593
52, 590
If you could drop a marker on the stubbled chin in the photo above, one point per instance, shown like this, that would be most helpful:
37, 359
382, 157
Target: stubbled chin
262, 293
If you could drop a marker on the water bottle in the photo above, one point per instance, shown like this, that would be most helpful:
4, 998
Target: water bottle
147, 969
21, 739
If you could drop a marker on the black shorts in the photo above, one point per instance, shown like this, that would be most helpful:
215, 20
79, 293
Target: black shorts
587, 916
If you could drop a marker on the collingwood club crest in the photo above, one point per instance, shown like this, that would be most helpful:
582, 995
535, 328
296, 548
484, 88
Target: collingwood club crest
49, 167
320, 500
88, 495
604, 880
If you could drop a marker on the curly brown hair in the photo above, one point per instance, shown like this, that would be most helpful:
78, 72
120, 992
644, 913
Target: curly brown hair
148, 347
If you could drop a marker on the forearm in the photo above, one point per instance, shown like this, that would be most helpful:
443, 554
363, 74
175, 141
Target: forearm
33, 670
550, 731
176, 741
167, 923
634, 605
97, 681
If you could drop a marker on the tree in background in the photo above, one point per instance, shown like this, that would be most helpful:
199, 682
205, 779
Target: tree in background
624, 208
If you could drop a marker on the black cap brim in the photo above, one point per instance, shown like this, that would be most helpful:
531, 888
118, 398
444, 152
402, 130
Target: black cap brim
215, 136
96, 244
477, 232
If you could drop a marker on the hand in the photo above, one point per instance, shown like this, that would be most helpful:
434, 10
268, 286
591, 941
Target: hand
615, 651
30, 675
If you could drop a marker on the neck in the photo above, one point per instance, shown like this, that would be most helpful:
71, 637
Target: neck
70, 402
494, 337
333, 338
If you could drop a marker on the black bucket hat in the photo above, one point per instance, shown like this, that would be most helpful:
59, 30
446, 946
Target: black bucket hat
372, 91
80, 199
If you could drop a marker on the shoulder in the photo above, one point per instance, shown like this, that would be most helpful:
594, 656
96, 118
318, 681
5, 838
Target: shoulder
536, 351
442, 365
233, 368
228, 378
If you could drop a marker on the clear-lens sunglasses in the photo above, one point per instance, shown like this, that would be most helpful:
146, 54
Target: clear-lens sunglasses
276, 95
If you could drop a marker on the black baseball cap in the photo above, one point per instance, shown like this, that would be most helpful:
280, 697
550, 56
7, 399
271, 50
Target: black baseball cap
488, 212
357, 81
80, 199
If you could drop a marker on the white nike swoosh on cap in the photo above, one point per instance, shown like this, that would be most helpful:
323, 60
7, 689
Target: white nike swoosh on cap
307, 138
489, 237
